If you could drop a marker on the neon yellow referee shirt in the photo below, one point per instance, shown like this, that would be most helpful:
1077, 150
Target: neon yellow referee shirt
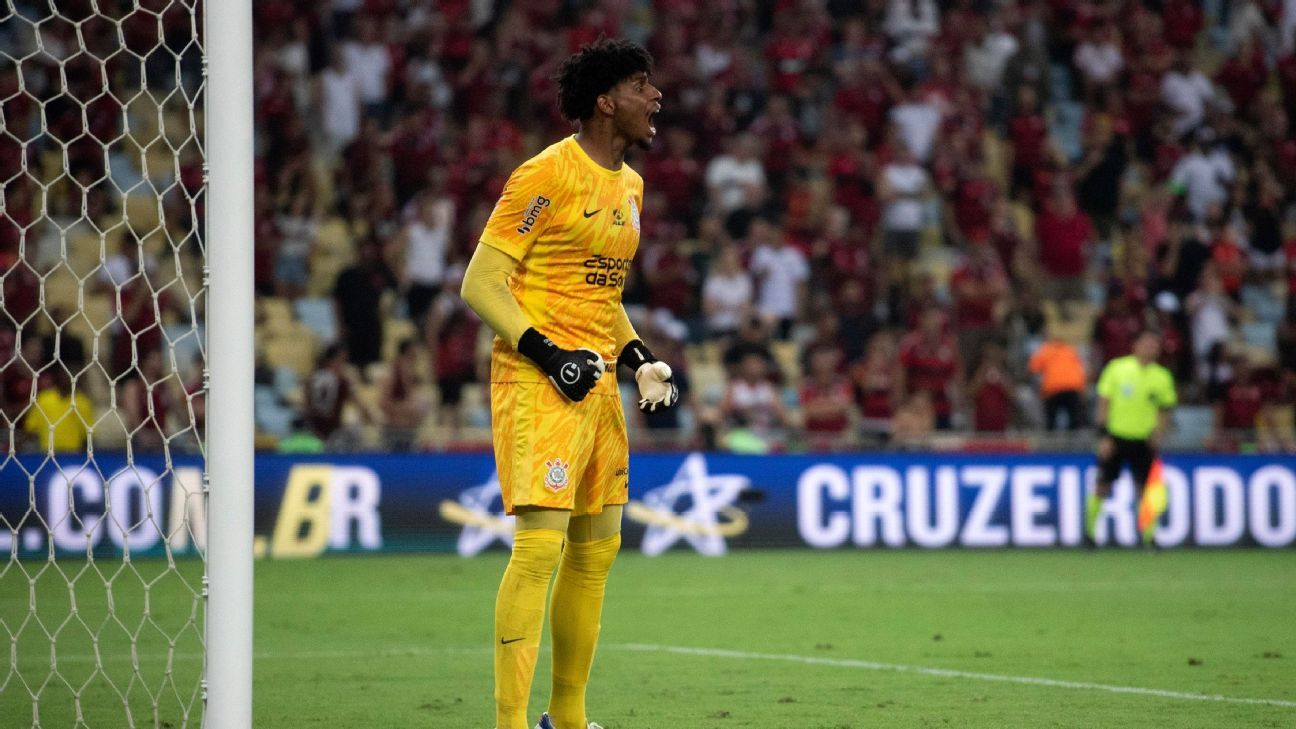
1136, 394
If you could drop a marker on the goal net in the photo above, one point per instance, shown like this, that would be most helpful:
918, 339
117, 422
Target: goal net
103, 365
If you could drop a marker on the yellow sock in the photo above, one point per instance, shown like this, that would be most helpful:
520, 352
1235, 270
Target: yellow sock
574, 614
519, 619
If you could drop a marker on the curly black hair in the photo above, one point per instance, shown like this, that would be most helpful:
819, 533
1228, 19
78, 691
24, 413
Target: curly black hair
594, 70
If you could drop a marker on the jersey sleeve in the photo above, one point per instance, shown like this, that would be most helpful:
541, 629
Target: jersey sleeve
1166, 396
525, 209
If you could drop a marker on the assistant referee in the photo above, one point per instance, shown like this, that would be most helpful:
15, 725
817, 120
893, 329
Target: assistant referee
1135, 395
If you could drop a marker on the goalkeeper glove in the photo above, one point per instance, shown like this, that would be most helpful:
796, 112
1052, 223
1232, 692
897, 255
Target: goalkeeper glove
573, 372
656, 385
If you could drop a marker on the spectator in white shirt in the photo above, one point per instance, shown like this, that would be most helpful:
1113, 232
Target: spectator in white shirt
911, 24
1211, 314
426, 241
425, 79
1099, 59
1189, 94
782, 271
736, 179
369, 62
726, 293
987, 54
1204, 174
338, 98
903, 186
917, 119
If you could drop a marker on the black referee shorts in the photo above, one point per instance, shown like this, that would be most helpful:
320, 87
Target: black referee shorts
1137, 454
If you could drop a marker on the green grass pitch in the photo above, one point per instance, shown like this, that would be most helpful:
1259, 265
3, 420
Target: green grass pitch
784, 639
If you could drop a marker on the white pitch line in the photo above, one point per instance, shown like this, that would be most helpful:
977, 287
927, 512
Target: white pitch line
946, 673
429, 651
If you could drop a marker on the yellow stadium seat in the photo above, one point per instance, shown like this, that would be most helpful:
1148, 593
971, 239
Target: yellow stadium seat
276, 315
332, 236
394, 332
292, 352
788, 357
62, 288
97, 313
83, 251
708, 380
141, 207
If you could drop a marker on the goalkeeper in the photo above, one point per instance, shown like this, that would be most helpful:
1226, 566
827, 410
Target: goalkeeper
1135, 395
547, 277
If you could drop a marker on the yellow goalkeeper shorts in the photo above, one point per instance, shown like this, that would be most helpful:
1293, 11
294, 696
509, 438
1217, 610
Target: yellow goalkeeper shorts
557, 454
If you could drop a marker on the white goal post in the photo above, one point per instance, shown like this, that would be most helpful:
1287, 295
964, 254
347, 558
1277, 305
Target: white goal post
126, 364
231, 322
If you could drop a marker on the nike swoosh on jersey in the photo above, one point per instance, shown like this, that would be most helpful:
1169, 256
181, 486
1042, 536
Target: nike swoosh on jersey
590, 215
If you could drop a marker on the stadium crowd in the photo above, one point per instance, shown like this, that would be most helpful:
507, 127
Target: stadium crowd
865, 222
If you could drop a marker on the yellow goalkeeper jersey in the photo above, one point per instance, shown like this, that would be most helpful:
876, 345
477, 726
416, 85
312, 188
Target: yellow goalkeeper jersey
573, 225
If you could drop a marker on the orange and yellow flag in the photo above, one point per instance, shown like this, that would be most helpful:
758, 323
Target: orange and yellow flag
1153, 504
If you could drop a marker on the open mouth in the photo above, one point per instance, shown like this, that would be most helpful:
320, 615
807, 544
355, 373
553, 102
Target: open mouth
652, 120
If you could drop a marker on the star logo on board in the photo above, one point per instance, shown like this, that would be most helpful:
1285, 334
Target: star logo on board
695, 506
483, 522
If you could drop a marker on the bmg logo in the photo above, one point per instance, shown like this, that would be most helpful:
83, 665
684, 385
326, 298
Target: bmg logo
537, 206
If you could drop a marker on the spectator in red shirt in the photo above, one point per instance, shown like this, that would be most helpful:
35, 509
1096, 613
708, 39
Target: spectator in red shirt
1229, 258
19, 378
991, 392
975, 194
825, 398
1244, 74
930, 363
780, 135
1029, 136
866, 96
1064, 234
841, 254
403, 402
138, 329
1183, 21
149, 399
789, 52
328, 390
1175, 354
1238, 407
980, 289
1006, 239
877, 382
21, 289
452, 342
671, 276
677, 174
1115, 329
